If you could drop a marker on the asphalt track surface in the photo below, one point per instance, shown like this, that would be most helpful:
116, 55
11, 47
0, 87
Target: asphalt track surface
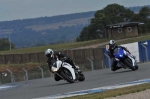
98, 78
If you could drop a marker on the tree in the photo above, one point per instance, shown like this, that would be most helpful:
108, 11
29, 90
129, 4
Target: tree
111, 14
84, 35
5, 44
144, 12
143, 16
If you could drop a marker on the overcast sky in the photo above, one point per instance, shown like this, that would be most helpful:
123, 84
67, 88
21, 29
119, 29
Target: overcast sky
21, 9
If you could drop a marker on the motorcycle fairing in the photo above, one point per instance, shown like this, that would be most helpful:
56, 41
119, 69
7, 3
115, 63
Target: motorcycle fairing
56, 65
120, 53
69, 67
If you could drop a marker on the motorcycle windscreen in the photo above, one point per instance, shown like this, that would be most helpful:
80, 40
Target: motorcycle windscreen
118, 53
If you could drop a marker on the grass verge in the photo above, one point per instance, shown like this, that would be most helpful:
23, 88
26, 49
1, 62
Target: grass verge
56, 47
113, 93
65, 46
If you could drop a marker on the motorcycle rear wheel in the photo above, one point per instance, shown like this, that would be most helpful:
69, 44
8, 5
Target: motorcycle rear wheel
136, 67
81, 77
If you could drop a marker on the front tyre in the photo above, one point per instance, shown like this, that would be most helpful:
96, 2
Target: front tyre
66, 74
128, 62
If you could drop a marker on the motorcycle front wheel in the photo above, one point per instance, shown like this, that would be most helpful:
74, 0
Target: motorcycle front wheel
128, 62
66, 74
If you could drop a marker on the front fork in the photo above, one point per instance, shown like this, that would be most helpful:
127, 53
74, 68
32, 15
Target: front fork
131, 57
123, 65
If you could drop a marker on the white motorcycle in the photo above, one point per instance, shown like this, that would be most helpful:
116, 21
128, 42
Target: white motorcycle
64, 71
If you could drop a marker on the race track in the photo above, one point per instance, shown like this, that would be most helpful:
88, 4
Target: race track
47, 86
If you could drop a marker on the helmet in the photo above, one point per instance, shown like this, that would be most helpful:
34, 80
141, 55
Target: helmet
49, 52
112, 44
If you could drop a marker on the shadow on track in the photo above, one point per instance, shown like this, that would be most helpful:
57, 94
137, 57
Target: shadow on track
66, 83
60, 84
120, 71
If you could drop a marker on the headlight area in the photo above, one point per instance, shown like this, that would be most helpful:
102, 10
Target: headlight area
54, 69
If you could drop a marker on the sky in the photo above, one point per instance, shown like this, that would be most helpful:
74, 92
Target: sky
24, 9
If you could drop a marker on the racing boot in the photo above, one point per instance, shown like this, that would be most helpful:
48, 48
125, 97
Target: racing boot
76, 67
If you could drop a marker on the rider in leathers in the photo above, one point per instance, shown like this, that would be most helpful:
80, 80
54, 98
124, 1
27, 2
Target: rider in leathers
53, 57
112, 46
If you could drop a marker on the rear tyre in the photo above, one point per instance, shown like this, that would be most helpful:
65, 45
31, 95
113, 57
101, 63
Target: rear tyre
136, 67
66, 74
128, 62
81, 77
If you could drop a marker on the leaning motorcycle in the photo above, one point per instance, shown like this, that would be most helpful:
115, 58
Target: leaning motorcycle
125, 59
64, 71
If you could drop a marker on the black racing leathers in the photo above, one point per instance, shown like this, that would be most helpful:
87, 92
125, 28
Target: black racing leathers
111, 50
59, 56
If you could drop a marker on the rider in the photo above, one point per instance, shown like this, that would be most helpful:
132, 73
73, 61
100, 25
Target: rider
112, 46
52, 57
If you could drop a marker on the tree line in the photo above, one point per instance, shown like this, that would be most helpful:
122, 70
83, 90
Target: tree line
112, 14
5, 44
22, 36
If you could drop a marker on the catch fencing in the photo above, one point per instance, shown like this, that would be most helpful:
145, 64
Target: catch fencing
86, 59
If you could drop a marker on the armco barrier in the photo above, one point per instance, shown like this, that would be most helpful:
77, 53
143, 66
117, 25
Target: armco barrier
144, 48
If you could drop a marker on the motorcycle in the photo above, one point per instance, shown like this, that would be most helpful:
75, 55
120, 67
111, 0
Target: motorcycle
64, 71
125, 59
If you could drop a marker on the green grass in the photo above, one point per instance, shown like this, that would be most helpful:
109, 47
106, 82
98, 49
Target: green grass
113, 93
131, 40
66, 46
20, 65
137, 39
56, 47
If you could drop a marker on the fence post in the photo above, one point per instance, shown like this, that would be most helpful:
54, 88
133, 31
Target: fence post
26, 74
108, 58
41, 71
11, 76
92, 66
2, 74
102, 64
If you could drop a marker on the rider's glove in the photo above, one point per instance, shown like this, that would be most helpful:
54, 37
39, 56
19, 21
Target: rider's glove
65, 58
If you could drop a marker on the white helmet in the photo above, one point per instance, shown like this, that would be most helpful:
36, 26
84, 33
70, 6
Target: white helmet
112, 42
49, 52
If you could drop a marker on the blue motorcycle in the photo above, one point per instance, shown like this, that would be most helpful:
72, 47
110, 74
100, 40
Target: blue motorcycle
125, 59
